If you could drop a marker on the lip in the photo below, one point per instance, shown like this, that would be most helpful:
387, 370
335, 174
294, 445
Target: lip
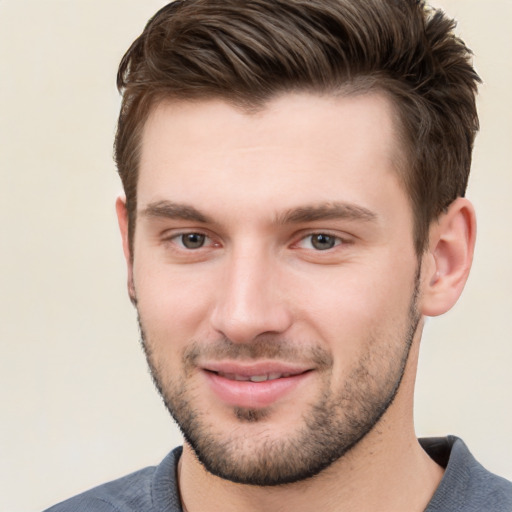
248, 394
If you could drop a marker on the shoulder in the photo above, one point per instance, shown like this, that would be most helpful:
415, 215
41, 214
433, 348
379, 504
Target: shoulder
466, 486
132, 492
150, 489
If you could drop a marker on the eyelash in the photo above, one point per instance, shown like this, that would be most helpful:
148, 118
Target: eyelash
178, 239
337, 240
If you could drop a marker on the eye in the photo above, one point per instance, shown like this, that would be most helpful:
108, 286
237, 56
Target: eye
320, 241
191, 240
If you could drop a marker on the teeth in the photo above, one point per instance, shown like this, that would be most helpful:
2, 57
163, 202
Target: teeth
253, 378
259, 378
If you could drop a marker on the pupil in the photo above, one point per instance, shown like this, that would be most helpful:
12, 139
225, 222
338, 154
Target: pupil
323, 242
193, 240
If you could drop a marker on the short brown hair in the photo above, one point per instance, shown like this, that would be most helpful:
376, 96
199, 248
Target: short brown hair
247, 51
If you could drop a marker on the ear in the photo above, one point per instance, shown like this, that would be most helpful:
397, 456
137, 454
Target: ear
122, 219
447, 263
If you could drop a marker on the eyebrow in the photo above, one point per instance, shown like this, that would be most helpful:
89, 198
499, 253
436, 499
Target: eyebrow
327, 211
172, 210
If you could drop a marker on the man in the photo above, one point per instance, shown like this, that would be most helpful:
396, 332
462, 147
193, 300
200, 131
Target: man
294, 175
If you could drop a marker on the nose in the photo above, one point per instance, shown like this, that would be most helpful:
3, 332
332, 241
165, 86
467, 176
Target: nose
250, 301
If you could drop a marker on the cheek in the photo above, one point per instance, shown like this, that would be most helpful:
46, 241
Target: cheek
172, 303
356, 295
354, 311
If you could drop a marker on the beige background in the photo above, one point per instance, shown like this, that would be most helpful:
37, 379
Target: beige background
77, 405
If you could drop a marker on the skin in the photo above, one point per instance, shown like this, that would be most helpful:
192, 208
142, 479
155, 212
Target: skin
258, 186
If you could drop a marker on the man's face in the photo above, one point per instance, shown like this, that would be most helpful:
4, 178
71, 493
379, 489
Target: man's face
275, 277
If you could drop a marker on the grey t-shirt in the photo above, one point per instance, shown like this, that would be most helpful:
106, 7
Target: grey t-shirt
466, 486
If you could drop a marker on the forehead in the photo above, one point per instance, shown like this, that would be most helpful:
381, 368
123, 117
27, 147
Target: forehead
297, 149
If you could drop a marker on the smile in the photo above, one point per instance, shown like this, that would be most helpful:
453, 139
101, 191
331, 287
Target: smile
256, 386
253, 378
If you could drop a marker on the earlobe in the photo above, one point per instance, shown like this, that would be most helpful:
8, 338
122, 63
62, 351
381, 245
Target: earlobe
447, 264
122, 219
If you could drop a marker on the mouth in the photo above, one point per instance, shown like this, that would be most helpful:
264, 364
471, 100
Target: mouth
254, 378
256, 385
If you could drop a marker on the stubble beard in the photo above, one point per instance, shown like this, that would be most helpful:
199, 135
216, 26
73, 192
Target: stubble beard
331, 426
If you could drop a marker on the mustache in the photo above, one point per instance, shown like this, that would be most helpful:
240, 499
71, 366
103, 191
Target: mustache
265, 347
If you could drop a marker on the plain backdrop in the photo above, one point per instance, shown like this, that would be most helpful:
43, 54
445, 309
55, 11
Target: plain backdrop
77, 404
